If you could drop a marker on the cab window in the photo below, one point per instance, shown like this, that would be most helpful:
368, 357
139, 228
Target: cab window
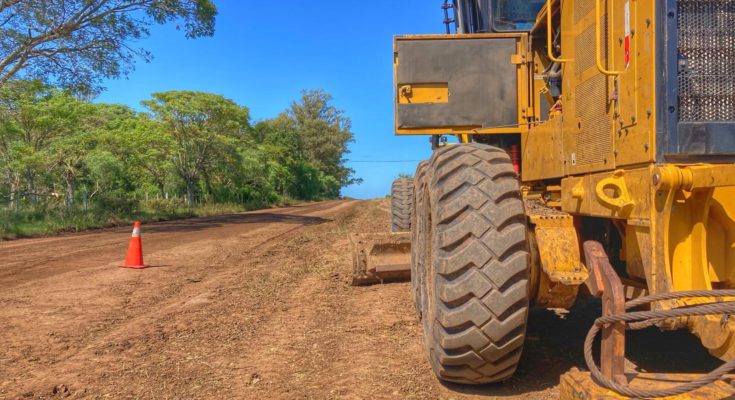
515, 15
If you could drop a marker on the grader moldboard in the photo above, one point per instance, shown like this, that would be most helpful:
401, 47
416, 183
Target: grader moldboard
595, 154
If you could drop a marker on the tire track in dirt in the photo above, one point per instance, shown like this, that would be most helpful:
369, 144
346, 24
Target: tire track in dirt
124, 307
331, 341
341, 342
36, 258
262, 311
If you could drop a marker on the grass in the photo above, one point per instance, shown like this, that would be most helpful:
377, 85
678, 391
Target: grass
31, 223
312, 267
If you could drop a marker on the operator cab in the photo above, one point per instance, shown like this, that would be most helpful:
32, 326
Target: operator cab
483, 16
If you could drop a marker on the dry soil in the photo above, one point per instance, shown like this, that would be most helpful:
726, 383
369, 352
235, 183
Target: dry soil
254, 306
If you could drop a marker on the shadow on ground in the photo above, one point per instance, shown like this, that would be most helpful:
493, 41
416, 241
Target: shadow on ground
191, 225
554, 344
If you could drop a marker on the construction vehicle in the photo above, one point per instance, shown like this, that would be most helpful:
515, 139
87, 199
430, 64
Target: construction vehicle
595, 154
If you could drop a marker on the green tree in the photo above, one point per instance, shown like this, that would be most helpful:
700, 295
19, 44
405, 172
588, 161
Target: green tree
204, 128
115, 154
77, 43
135, 138
150, 150
68, 156
307, 144
325, 133
54, 145
32, 116
105, 175
280, 132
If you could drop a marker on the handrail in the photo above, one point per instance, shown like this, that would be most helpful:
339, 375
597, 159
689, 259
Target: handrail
549, 42
598, 36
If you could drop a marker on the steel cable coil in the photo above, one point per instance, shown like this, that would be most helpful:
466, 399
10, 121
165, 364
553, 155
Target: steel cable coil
643, 319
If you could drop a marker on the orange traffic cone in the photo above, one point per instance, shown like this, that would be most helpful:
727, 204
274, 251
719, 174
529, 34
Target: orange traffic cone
135, 250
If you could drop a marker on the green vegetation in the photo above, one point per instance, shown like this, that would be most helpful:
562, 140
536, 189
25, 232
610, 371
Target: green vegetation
77, 43
43, 222
66, 163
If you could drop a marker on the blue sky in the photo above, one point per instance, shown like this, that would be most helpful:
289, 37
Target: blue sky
265, 52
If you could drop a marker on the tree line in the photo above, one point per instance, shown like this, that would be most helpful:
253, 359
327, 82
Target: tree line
59, 150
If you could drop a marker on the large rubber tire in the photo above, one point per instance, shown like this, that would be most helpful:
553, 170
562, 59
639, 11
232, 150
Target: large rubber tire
475, 283
418, 254
401, 203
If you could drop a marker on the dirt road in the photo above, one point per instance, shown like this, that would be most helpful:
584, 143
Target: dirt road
254, 306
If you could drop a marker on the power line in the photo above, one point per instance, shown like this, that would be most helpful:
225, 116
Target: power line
381, 161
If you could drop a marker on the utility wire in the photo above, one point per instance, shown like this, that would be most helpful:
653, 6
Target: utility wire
381, 161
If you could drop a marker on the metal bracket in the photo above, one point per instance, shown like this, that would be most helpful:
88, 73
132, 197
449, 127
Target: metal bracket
621, 201
604, 281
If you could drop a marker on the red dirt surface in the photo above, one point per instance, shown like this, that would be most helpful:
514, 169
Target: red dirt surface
254, 306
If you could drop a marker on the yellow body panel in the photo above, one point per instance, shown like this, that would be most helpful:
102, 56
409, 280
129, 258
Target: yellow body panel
608, 121
679, 224
542, 149
525, 111
591, 153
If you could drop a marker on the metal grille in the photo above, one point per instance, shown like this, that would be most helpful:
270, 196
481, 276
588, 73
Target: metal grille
706, 60
585, 54
585, 57
594, 142
582, 8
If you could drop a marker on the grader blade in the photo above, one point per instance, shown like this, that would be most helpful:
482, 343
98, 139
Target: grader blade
379, 258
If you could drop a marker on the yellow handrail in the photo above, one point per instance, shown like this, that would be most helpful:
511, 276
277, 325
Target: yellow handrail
598, 35
549, 42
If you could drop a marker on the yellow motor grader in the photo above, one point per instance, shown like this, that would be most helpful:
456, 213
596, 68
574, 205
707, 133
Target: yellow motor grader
595, 154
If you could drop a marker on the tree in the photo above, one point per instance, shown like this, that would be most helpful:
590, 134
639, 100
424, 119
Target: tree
281, 132
204, 127
68, 155
150, 149
136, 139
307, 144
121, 145
56, 146
32, 116
77, 43
325, 133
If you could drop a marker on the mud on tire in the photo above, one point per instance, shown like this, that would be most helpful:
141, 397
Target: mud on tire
401, 204
475, 283
418, 254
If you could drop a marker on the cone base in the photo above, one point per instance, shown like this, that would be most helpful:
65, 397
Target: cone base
134, 266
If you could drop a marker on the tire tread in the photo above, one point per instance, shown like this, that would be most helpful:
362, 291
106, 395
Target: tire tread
479, 261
